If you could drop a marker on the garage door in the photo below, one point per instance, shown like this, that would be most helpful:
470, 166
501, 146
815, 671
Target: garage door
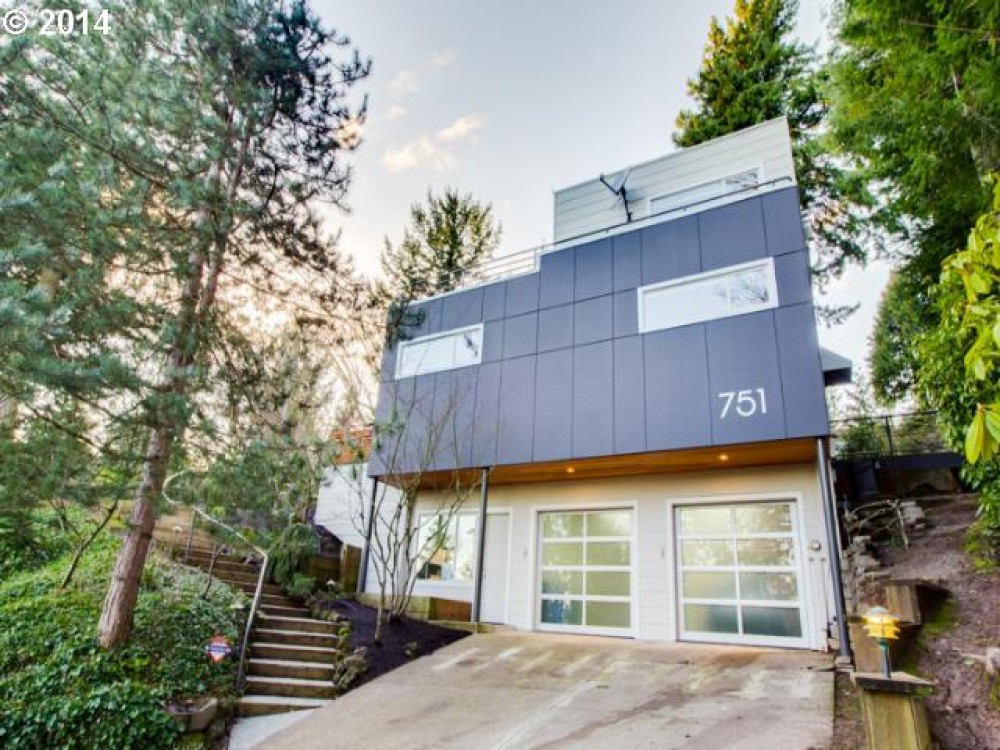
739, 573
586, 571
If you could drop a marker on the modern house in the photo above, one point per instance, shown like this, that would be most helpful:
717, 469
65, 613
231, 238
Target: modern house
642, 406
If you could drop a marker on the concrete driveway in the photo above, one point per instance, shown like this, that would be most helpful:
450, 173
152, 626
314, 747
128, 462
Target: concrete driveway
529, 690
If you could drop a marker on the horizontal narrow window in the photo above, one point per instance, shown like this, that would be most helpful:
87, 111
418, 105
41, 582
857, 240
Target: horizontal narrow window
706, 191
442, 351
735, 290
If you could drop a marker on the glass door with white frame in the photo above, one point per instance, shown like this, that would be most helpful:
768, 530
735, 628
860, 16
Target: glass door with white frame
738, 571
585, 562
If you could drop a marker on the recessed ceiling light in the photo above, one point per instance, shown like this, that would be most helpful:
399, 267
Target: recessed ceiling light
570, 470
723, 456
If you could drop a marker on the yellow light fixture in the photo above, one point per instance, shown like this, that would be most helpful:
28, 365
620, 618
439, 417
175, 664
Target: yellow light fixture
723, 456
883, 626
570, 470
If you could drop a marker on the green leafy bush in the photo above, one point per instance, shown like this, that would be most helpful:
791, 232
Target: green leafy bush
60, 689
301, 586
296, 543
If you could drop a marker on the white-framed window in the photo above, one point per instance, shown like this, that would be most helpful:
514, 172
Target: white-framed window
734, 290
460, 347
706, 191
446, 546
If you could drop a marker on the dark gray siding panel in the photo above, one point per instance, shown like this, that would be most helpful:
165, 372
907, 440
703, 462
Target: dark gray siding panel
520, 335
493, 341
594, 270
522, 295
794, 278
517, 411
416, 416
628, 261
732, 234
630, 401
676, 374
783, 222
670, 250
743, 357
462, 309
556, 278
494, 301
801, 374
454, 415
626, 313
593, 400
388, 371
593, 320
553, 405
555, 328
485, 431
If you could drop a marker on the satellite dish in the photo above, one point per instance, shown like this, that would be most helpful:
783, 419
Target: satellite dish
616, 185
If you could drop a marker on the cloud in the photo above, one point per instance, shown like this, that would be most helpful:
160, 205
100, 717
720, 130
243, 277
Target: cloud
421, 151
462, 127
405, 82
395, 111
442, 59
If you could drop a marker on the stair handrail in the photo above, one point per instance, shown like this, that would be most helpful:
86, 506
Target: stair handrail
258, 591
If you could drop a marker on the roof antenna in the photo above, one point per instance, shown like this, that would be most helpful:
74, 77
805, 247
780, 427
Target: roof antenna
617, 186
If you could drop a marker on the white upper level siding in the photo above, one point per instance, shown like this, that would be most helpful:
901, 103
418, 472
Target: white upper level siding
591, 207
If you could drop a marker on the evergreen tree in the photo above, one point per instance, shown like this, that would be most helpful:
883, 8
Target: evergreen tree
446, 238
162, 168
753, 71
916, 109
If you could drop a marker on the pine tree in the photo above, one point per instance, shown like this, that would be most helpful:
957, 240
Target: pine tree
752, 71
167, 166
446, 238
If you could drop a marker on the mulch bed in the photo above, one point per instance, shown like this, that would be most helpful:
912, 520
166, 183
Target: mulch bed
402, 641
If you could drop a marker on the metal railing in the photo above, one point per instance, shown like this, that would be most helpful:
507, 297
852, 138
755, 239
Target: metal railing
877, 436
259, 589
529, 260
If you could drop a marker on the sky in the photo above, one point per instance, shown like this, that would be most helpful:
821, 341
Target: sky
512, 100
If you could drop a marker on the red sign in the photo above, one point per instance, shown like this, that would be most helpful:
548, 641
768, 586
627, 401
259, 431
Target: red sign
218, 648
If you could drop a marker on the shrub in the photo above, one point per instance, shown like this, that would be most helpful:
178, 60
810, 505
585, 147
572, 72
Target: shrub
296, 543
301, 586
60, 689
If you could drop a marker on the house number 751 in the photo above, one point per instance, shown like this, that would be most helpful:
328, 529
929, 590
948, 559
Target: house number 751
744, 403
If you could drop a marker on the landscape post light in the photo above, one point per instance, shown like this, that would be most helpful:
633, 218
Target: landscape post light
883, 626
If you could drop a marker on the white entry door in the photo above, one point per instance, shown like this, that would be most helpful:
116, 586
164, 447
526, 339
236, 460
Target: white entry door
738, 570
494, 605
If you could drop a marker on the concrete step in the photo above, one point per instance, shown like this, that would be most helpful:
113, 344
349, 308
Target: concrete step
291, 687
265, 705
292, 652
283, 610
294, 637
223, 565
279, 600
249, 588
302, 670
301, 624
233, 576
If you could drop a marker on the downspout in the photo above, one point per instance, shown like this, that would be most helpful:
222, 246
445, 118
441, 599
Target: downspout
833, 543
477, 596
366, 552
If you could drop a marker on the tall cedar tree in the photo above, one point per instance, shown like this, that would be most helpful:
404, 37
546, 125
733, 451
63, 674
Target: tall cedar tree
916, 106
158, 167
754, 71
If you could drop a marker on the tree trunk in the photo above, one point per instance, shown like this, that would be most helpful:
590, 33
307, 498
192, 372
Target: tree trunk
119, 604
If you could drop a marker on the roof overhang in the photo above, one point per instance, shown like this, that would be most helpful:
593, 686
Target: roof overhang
836, 369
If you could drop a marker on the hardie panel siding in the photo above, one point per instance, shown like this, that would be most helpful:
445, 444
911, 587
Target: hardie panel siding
566, 373
590, 206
